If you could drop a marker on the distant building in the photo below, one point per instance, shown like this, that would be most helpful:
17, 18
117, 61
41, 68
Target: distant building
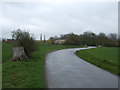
8, 40
60, 42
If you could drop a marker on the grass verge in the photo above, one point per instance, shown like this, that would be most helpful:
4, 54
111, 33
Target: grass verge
103, 57
26, 74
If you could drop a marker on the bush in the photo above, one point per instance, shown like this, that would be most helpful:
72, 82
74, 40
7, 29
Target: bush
23, 38
72, 39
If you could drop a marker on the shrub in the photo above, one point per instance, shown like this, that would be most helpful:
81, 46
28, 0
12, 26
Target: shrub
23, 38
72, 39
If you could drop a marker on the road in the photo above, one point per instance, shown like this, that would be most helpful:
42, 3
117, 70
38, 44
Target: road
65, 70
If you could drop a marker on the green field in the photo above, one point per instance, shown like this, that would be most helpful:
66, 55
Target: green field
0, 64
26, 74
103, 57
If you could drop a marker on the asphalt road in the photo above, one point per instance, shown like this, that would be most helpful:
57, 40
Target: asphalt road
65, 70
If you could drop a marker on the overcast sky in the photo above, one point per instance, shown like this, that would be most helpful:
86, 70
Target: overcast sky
59, 18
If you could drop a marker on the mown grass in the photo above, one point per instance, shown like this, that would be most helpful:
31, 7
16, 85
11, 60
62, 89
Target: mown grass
0, 65
26, 74
103, 57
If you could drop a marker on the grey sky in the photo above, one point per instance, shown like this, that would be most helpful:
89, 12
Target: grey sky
59, 18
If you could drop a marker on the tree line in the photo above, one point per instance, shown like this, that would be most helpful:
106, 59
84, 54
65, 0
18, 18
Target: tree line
89, 38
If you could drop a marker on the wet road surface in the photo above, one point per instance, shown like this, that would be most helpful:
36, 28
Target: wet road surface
65, 70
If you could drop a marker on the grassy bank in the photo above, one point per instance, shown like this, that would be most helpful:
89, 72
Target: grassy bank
0, 64
26, 74
103, 57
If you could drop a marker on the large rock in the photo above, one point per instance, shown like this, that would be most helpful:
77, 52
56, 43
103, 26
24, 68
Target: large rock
19, 54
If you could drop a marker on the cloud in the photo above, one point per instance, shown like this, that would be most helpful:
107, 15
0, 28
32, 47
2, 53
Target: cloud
59, 18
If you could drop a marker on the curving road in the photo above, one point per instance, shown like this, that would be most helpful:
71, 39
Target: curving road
65, 70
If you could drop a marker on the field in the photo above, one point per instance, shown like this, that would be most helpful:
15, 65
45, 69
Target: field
0, 64
26, 74
103, 57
